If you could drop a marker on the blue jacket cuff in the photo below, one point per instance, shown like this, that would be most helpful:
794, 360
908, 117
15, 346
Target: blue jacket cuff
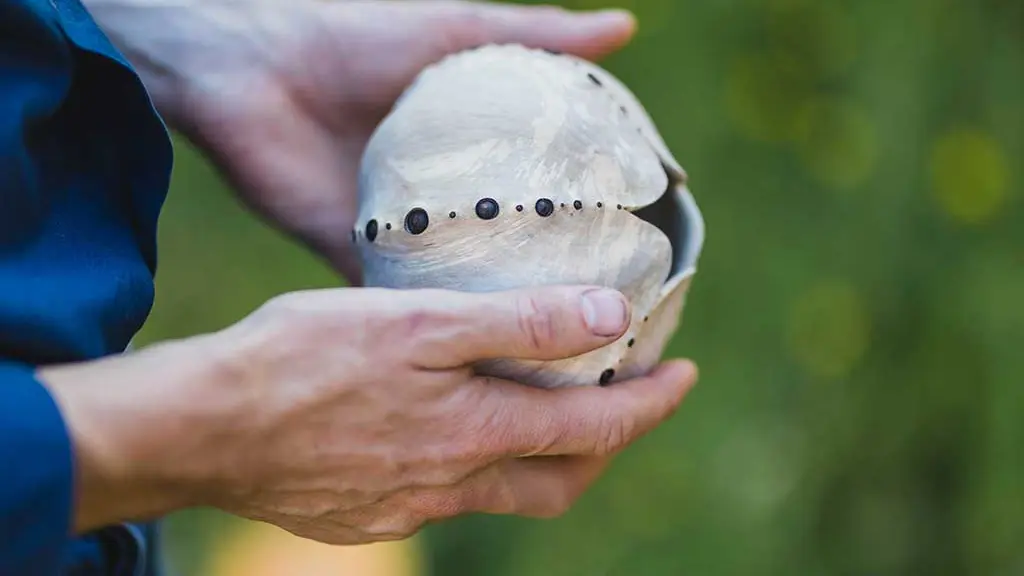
38, 480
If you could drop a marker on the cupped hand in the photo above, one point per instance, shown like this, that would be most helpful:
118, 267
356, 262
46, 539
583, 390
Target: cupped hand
283, 96
355, 415
388, 427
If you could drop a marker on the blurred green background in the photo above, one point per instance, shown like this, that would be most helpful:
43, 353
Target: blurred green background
858, 315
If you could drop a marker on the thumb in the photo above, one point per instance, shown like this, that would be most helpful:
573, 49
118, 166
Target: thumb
537, 323
588, 34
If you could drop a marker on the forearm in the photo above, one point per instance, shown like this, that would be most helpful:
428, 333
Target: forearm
140, 428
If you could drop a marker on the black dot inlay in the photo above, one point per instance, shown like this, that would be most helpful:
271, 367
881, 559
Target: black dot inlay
607, 376
387, 226
618, 206
519, 207
631, 342
646, 318
599, 204
593, 79
416, 221
451, 214
371, 230
487, 208
577, 205
544, 207
563, 204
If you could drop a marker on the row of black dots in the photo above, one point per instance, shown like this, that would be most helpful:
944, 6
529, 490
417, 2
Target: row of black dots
417, 220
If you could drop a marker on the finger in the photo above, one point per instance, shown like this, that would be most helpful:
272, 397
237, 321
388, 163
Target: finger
450, 329
588, 34
540, 487
522, 421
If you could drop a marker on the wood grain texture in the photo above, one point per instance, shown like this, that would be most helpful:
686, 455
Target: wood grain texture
585, 188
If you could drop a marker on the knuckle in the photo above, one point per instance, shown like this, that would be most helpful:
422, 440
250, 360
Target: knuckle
537, 324
615, 435
422, 312
415, 323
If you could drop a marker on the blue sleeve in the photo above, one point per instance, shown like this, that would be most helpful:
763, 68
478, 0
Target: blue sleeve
37, 480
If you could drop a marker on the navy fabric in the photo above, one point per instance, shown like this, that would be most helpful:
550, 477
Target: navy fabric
84, 167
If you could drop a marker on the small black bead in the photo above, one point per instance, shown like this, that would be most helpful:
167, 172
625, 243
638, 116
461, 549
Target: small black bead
599, 204
631, 342
618, 206
562, 204
487, 208
593, 79
544, 207
577, 205
387, 226
607, 376
451, 214
519, 207
416, 221
371, 230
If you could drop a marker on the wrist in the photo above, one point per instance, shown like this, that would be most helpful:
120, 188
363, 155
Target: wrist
139, 425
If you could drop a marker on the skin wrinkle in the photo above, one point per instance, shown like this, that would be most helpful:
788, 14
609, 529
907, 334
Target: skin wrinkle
538, 326
335, 413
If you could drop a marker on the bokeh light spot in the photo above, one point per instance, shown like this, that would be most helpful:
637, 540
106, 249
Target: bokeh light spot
829, 329
969, 175
837, 142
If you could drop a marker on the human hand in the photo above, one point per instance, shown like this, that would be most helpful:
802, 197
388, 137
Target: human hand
354, 415
283, 96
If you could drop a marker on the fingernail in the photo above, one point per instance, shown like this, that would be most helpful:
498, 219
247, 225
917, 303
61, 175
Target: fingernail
605, 312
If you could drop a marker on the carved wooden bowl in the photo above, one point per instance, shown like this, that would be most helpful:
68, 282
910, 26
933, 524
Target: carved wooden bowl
504, 167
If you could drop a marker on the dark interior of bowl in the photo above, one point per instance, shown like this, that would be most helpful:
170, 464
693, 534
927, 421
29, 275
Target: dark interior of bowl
668, 214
